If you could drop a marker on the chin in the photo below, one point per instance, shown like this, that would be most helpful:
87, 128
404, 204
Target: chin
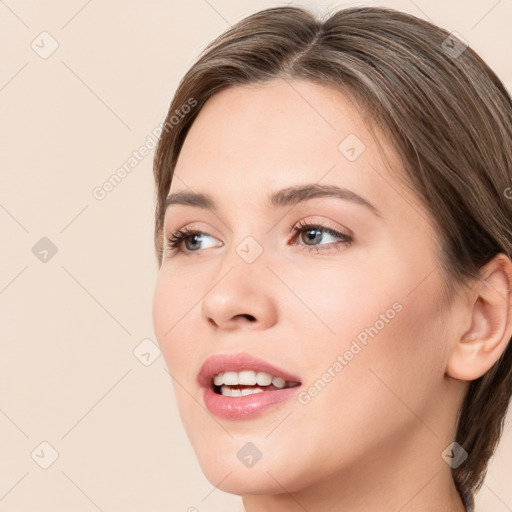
269, 475
242, 481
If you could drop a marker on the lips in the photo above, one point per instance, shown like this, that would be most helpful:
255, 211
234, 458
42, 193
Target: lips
221, 363
243, 407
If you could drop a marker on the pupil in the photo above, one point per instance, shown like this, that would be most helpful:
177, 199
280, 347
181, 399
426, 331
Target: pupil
193, 239
316, 232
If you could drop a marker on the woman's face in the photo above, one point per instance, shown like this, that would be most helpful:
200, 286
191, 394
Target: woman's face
358, 320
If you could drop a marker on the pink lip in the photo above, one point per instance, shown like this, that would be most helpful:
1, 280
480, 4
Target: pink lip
220, 363
246, 406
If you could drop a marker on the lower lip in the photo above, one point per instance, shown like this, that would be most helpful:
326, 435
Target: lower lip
245, 407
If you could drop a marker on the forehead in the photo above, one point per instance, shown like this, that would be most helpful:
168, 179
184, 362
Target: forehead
248, 140
285, 120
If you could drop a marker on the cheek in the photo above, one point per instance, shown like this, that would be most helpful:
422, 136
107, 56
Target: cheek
377, 397
402, 364
387, 331
337, 301
162, 306
158, 309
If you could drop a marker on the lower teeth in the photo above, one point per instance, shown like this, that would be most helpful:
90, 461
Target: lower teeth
227, 391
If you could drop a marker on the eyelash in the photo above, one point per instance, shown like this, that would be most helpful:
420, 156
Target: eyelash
174, 241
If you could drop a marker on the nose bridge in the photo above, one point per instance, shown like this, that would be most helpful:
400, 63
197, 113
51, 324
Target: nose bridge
247, 248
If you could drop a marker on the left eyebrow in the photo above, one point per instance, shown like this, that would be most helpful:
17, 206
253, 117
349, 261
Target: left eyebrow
281, 198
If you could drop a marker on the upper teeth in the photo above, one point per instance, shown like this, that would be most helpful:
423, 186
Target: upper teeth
248, 378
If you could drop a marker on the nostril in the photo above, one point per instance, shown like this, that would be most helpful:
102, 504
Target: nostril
249, 317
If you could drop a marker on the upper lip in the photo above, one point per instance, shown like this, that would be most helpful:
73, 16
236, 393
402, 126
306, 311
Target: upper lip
221, 363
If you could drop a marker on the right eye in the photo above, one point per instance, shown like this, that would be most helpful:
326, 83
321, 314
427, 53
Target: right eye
175, 241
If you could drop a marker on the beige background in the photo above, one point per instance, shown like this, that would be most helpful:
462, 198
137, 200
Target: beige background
69, 325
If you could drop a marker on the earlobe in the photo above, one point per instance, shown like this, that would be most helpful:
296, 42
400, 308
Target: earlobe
490, 310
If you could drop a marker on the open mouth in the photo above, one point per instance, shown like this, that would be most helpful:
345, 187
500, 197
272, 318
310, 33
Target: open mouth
238, 384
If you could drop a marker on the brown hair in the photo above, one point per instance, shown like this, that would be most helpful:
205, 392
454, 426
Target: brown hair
448, 116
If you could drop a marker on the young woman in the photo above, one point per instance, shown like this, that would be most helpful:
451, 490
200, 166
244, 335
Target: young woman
334, 235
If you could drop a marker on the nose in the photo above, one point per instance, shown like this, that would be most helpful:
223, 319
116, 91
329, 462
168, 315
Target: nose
241, 296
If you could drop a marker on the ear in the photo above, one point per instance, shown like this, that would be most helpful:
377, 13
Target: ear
489, 313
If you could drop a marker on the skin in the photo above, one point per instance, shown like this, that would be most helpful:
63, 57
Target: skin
372, 438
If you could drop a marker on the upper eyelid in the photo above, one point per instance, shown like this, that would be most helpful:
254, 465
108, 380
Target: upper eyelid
307, 221
298, 226
189, 227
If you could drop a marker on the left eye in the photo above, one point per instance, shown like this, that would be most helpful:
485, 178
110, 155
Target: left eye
314, 233
191, 238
